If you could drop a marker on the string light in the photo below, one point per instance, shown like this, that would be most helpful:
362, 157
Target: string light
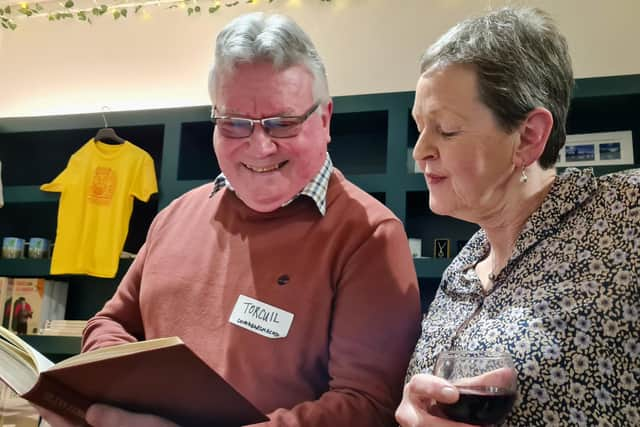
68, 10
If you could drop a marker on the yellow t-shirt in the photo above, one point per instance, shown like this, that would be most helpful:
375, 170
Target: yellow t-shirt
97, 189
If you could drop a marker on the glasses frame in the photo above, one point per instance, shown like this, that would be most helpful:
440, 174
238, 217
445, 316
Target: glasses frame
264, 122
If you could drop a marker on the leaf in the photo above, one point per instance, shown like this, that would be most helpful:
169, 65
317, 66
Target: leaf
116, 14
96, 11
103, 8
124, 12
7, 10
214, 9
197, 9
189, 11
68, 4
12, 25
137, 9
39, 7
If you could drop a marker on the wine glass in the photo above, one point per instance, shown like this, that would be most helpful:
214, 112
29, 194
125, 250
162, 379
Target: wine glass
486, 381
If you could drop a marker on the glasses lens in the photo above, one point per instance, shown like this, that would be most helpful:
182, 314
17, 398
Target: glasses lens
282, 127
234, 127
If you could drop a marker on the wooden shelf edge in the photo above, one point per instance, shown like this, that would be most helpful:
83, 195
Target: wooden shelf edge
27, 267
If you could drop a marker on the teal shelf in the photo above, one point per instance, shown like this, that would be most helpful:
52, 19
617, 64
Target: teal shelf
431, 268
27, 194
54, 345
372, 182
26, 267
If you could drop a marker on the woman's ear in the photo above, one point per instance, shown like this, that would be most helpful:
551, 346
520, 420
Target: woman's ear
534, 133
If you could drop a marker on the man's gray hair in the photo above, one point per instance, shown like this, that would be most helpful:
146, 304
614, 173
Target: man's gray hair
521, 62
276, 39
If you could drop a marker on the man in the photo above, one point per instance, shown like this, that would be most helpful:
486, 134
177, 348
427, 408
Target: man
280, 227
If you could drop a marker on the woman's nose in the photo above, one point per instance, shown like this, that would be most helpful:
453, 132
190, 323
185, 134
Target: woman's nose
424, 149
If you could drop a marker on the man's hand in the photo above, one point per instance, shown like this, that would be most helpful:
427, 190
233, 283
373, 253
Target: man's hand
100, 415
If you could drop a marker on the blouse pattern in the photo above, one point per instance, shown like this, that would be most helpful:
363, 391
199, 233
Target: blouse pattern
565, 306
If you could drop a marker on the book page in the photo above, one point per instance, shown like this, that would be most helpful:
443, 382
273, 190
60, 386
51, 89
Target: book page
30, 355
118, 350
15, 368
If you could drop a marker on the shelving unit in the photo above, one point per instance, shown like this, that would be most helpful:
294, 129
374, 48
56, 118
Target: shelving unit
371, 137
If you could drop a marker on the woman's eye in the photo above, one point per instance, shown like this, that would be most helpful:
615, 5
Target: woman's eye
448, 134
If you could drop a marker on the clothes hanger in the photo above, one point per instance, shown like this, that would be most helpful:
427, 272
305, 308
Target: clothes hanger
107, 134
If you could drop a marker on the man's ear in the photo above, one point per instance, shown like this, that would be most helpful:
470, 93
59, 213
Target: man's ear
327, 110
534, 133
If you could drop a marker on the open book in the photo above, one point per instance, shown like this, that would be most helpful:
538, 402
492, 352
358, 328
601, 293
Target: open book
161, 376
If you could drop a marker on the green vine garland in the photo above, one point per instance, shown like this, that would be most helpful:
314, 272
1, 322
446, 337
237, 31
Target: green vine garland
67, 10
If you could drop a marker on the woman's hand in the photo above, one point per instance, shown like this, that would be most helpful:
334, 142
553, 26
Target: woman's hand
418, 407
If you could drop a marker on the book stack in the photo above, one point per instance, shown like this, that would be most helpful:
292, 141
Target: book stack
70, 328
30, 302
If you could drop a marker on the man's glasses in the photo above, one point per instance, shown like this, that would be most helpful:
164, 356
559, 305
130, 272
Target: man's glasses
277, 127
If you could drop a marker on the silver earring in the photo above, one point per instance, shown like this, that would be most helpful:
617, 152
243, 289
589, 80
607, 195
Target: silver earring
523, 175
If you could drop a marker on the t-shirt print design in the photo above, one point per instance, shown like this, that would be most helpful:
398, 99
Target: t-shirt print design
102, 186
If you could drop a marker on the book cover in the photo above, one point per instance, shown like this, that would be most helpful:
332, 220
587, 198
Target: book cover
4, 285
36, 300
161, 376
7, 299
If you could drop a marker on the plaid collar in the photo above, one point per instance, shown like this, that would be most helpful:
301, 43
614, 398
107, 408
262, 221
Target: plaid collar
316, 189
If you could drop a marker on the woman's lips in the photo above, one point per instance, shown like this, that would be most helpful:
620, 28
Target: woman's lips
433, 178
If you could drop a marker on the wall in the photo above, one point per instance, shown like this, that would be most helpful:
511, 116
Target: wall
369, 46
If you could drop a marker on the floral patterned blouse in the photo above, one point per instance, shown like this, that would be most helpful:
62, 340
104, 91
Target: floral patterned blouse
565, 306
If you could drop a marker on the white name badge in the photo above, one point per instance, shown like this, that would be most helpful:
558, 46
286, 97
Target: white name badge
261, 318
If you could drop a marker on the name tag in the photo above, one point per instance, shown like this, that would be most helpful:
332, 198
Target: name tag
261, 318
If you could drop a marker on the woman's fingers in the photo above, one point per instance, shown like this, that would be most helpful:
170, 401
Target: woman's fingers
418, 409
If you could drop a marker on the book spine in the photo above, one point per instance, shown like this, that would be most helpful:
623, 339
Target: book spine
52, 395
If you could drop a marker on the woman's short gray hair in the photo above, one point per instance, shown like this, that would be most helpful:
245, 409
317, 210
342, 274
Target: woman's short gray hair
522, 62
277, 39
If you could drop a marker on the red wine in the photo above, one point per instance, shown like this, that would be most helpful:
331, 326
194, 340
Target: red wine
480, 405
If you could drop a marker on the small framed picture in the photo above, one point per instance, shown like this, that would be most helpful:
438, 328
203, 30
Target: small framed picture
415, 245
442, 248
597, 149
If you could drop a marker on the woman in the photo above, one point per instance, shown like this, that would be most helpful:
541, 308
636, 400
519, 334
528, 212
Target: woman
552, 276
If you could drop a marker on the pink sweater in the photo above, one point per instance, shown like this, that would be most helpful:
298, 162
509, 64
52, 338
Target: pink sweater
351, 287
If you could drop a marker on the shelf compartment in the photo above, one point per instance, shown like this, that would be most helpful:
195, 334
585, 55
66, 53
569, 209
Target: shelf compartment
359, 142
53, 344
423, 224
196, 158
50, 151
